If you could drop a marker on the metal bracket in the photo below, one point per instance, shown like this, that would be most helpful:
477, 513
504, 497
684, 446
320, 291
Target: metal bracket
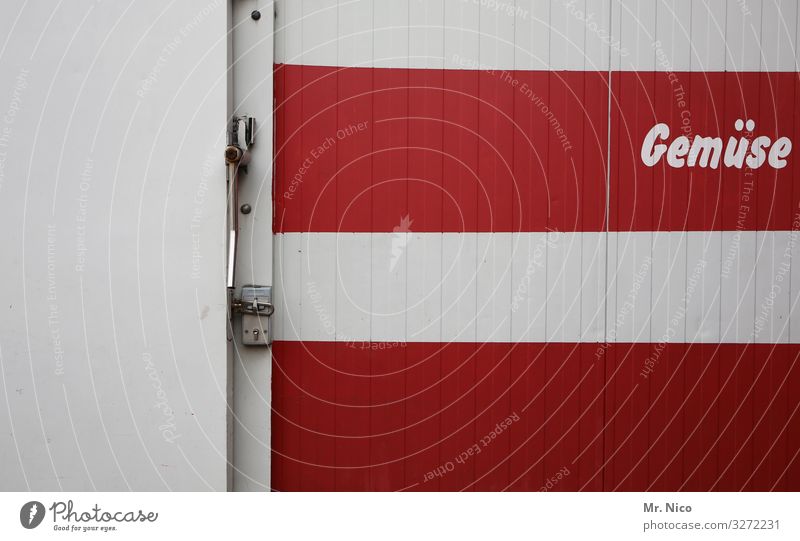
256, 308
249, 131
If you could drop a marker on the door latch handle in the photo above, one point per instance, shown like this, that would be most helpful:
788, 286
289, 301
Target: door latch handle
236, 158
256, 307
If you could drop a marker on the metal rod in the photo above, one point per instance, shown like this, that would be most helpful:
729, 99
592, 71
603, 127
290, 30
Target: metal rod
232, 156
235, 158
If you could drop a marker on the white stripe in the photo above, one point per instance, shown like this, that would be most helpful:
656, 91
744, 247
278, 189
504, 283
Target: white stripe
738, 291
425, 34
496, 37
389, 279
708, 34
532, 37
278, 298
494, 269
353, 254
668, 286
593, 287
630, 279
355, 32
635, 24
673, 35
702, 35
390, 39
779, 43
423, 257
459, 287
567, 31
743, 33
461, 33
529, 268
317, 288
731, 287
772, 286
563, 286
703, 316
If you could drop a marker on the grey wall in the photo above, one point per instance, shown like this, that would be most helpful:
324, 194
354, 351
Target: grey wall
112, 201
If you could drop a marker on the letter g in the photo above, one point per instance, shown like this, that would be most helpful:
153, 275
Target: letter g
651, 152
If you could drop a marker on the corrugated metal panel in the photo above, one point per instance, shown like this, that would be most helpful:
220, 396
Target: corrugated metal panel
445, 262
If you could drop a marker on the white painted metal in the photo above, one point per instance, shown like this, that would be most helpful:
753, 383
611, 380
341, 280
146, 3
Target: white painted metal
493, 275
423, 256
319, 24
496, 43
567, 34
708, 36
532, 35
317, 287
528, 299
387, 308
353, 286
702, 35
459, 287
501, 287
251, 72
668, 321
673, 35
592, 290
112, 199
773, 263
354, 19
737, 285
704, 267
289, 302
637, 34
742, 30
630, 259
461, 35
563, 286
390, 46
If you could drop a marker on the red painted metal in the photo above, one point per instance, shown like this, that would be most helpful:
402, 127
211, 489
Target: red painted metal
458, 150
465, 151
710, 416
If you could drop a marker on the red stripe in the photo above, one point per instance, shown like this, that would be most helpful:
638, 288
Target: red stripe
384, 416
492, 406
458, 420
461, 146
455, 150
387, 449
664, 198
423, 412
481, 151
390, 165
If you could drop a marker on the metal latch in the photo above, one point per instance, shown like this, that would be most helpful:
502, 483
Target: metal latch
236, 159
256, 308
255, 304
